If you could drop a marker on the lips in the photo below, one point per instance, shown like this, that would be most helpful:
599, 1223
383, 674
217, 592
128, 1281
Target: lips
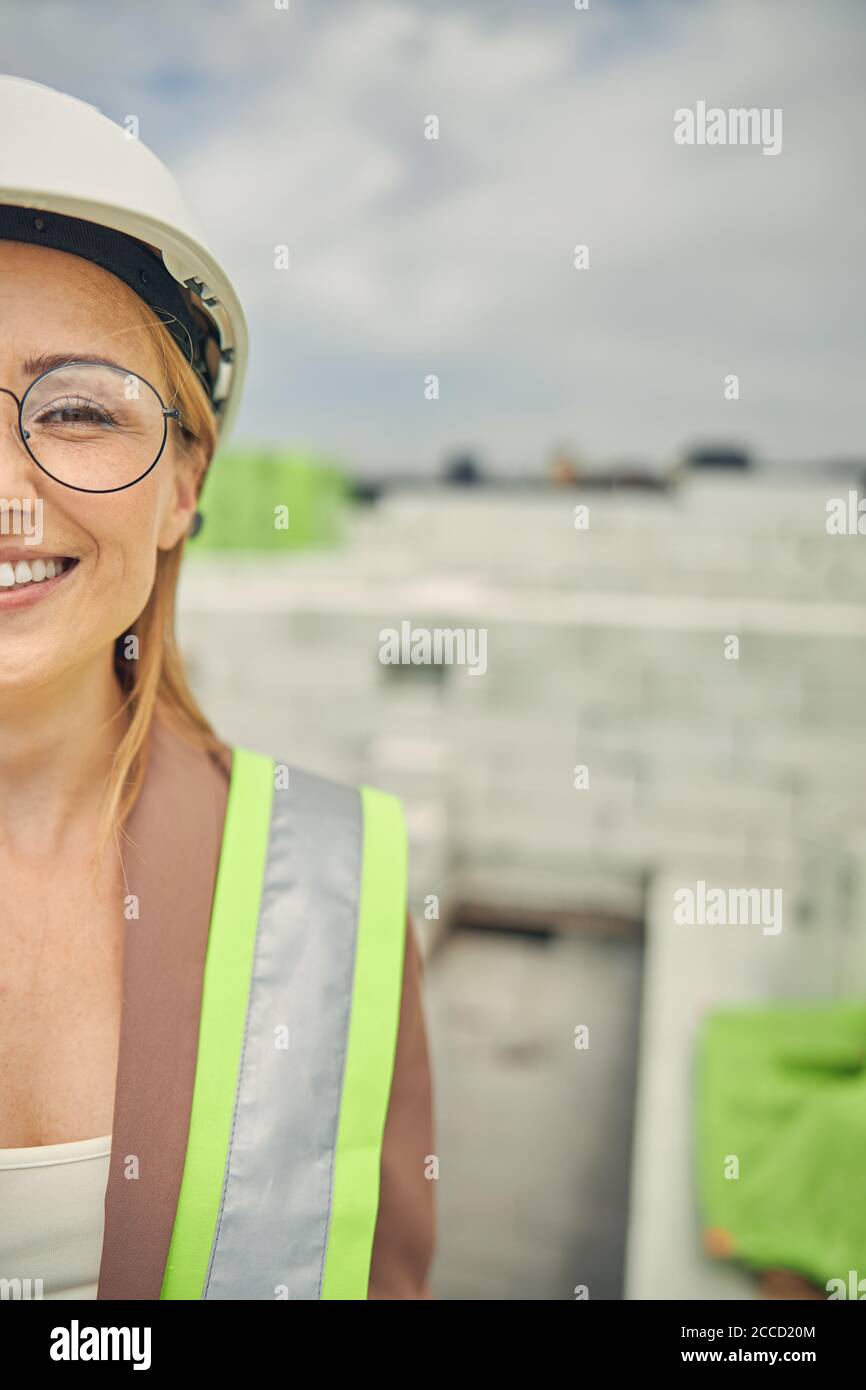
20, 585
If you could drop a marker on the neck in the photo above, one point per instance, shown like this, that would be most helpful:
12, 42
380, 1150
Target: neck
56, 747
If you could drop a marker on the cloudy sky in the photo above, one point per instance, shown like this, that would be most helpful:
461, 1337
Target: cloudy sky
455, 257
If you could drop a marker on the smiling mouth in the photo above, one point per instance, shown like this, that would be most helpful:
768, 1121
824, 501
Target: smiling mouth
30, 573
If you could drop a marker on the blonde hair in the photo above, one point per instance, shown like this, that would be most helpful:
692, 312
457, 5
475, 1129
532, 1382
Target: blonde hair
157, 678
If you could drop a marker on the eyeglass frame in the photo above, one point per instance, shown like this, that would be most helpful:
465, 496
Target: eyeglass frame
167, 414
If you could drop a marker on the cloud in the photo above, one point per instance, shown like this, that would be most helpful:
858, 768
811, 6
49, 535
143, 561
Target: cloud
454, 256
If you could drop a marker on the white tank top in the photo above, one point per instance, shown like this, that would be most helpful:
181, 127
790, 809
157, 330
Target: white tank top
52, 1218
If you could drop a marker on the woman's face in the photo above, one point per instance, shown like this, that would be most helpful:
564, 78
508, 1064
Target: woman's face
53, 303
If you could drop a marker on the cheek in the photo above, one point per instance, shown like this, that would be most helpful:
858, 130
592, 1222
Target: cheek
122, 563
115, 538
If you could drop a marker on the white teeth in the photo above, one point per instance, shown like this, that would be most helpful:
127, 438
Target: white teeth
24, 573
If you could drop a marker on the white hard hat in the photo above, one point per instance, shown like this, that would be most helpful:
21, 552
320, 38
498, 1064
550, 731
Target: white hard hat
73, 180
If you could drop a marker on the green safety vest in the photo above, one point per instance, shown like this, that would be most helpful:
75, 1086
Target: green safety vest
297, 1039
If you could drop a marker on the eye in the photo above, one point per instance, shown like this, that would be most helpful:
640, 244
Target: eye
75, 410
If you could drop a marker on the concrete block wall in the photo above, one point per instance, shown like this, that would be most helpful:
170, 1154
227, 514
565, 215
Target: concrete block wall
605, 648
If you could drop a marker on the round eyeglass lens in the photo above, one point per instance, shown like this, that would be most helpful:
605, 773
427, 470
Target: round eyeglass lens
93, 427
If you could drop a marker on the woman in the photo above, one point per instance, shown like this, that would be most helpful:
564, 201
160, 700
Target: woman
210, 1018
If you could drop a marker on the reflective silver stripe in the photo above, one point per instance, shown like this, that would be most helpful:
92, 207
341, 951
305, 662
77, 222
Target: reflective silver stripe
273, 1222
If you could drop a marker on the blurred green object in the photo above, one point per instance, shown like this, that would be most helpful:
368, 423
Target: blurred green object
250, 494
782, 1090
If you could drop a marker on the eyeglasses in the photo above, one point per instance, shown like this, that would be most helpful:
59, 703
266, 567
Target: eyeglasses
93, 427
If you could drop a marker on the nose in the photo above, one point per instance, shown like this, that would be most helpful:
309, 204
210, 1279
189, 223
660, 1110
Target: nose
17, 468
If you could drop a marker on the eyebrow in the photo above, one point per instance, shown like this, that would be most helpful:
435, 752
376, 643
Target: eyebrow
47, 361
